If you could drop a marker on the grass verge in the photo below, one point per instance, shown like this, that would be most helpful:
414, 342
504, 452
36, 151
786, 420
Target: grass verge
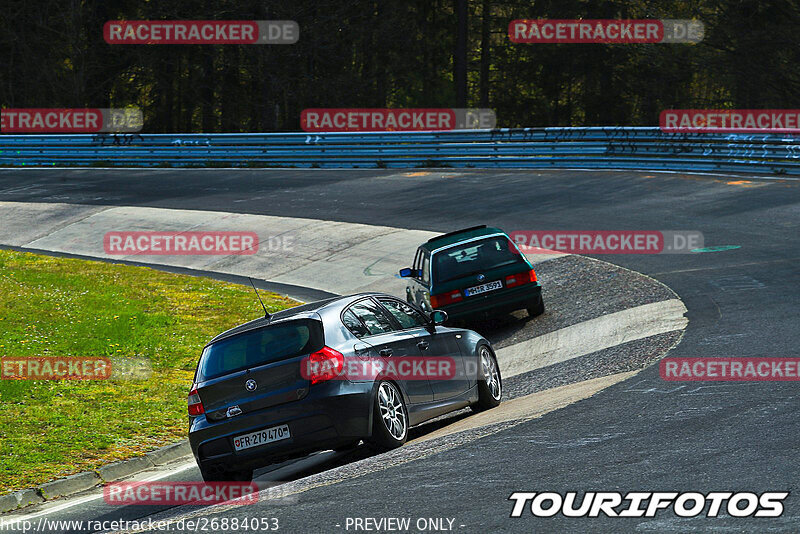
68, 307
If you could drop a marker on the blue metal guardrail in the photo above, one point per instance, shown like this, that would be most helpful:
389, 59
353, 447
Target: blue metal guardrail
593, 147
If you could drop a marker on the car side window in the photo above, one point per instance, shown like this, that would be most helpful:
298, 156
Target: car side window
426, 262
354, 324
372, 316
407, 316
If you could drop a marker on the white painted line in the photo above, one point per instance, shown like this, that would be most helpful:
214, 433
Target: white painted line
529, 406
340, 251
71, 503
515, 411
591, 336
561, 345
353, 257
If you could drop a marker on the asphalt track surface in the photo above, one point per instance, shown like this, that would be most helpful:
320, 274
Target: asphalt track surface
642, 434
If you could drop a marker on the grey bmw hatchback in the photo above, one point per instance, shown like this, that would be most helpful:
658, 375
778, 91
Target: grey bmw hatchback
328, 374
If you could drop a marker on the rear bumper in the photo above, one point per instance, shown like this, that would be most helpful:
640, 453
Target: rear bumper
496, 302
333, 413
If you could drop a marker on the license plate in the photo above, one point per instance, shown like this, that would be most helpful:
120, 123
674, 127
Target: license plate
490, 286
261, 437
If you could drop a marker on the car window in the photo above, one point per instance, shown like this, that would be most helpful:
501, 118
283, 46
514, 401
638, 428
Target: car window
474, 257
260, 346
354, 324
426, 261
407, 316
372, 316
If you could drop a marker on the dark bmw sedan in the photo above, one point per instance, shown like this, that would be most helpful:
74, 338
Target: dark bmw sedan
327, 375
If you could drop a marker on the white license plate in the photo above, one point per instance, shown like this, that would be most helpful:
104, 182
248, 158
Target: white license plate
477, 290
262, 437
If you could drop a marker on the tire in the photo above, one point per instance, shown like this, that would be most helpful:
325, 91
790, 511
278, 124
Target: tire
389, 418
242, 475
490, 383
537, 309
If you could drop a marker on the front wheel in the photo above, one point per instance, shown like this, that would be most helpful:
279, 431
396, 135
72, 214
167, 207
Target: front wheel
490, 384
390, 418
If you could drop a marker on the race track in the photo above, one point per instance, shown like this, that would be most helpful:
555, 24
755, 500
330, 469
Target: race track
580, 413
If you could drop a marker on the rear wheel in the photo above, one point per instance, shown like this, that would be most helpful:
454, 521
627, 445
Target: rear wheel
537, 308
241, 475
490, 384
390, 418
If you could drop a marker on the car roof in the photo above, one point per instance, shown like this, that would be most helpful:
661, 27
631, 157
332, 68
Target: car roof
309, 310
445, 240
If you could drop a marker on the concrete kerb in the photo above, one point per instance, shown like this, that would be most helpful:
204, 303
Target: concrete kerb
85, 480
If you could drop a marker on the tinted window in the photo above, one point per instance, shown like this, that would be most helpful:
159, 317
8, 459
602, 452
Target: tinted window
407, 316
372, 316
257, 347
474, 258
354, 324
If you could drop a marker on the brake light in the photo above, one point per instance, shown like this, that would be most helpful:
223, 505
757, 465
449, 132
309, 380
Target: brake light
195, 404
445, 298
521, 278
323, 365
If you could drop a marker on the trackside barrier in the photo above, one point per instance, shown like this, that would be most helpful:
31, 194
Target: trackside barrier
594, 147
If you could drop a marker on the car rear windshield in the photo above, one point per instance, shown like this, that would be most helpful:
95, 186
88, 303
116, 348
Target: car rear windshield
261, 346
474, 257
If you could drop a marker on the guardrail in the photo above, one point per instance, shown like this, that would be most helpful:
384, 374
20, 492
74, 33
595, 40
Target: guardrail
594, 147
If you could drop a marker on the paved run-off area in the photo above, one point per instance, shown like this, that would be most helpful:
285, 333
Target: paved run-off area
635, 435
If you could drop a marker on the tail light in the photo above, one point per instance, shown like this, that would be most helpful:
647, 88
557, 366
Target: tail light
195, 404
445, 298
323, 365
521, 278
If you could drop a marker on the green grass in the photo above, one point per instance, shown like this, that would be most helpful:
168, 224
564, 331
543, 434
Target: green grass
67, 307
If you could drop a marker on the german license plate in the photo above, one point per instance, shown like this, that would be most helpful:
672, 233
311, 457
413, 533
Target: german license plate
261, 437
483, 288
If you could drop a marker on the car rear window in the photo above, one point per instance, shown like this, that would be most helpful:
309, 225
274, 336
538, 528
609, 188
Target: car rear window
261, 346
474, 257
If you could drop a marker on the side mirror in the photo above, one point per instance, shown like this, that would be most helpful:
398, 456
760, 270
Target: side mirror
438, 317
405, 273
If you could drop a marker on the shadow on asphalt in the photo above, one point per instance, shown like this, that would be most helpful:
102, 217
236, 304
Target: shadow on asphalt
500, 328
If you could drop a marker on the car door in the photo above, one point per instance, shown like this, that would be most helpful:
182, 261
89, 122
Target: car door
389, 344
440, 343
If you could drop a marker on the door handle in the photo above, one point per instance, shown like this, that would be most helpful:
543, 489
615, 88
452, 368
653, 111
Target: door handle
361, 350
385, 352
423, 345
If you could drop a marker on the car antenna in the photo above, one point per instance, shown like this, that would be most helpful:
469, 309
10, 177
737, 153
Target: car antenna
266, 313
